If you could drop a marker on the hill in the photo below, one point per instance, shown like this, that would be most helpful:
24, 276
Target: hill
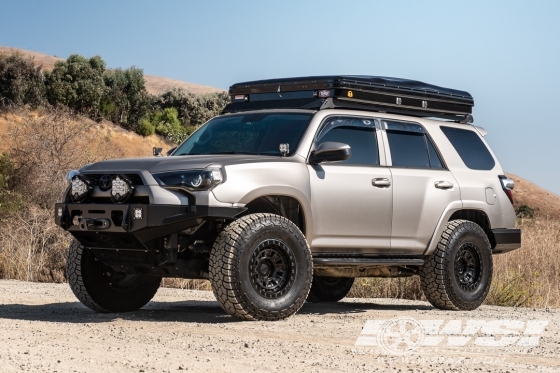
154, 84
110, 141
545, 203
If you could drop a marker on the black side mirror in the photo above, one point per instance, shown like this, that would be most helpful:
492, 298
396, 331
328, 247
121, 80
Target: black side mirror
157, 151
330, 152
171, 151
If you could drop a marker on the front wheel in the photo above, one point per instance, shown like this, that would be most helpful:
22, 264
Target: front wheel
329, 289
458, 274
102, 289
261, 268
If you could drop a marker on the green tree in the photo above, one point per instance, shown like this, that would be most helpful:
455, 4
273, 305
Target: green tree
194, 110
126, 100
21, 83
165, 123
77, 83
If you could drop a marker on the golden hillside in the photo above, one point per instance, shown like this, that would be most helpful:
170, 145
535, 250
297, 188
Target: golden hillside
545, 203
154, 84
108, 140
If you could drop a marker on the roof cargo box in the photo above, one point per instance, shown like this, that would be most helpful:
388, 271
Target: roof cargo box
390, 95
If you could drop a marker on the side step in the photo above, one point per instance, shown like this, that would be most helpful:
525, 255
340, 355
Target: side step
363, 262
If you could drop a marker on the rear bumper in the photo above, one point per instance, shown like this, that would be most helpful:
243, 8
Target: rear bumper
130, 226
506, 240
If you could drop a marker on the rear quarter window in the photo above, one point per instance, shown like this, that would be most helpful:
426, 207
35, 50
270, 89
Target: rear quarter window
470, 147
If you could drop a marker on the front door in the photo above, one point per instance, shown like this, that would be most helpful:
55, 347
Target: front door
351, 201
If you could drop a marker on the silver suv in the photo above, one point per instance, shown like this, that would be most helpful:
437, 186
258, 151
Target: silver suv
300, 186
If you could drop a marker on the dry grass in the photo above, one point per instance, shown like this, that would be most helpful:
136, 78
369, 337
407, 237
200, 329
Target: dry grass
530, 276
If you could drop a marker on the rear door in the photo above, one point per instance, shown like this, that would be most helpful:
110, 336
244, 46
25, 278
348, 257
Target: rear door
351, 201
422, 186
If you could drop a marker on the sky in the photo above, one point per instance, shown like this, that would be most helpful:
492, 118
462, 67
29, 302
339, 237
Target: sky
505, 53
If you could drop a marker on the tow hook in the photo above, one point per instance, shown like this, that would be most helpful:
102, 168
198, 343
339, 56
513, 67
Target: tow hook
94, 224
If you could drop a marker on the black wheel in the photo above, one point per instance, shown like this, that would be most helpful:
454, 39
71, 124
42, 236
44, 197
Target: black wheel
329, 289
102, 289
261, 268
458, 275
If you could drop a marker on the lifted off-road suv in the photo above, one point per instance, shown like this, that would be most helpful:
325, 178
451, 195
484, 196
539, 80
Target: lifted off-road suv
299, 187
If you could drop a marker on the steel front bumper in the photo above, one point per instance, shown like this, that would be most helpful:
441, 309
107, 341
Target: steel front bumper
131, 226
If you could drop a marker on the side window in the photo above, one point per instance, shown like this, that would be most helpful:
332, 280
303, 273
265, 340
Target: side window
359, 133
411, 147
470, 147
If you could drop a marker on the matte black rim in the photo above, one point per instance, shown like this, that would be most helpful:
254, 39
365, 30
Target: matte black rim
468, 266
272, 268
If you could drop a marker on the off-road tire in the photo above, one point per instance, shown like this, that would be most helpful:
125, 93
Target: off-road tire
329, 289
442, 273
237, 281
86, 279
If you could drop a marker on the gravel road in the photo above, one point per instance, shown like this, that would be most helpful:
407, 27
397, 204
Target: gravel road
43, 328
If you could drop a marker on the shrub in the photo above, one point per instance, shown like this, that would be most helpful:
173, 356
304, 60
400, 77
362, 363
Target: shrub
525, 211
21, 83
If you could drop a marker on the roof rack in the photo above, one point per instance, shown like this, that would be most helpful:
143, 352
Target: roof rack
372, 93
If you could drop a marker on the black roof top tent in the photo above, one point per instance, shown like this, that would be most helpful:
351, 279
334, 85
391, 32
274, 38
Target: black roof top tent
373, 93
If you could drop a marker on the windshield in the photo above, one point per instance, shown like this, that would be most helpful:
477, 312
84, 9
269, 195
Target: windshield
260, 133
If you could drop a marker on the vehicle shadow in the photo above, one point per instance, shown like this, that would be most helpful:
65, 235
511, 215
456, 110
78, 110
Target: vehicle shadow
205, 312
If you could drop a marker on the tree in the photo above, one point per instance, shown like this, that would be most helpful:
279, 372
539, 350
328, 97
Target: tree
77, 83
125, 99
21, 83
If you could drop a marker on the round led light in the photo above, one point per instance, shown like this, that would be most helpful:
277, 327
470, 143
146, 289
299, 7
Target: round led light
121, 189
196, 181
79, 189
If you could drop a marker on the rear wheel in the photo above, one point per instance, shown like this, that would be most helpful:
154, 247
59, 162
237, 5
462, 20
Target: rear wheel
329, 289
458, 274
101, 288
261, 268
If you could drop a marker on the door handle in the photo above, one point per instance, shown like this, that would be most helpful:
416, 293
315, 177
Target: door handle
443, 185
381, 183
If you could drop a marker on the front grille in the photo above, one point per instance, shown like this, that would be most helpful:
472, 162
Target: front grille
94, 178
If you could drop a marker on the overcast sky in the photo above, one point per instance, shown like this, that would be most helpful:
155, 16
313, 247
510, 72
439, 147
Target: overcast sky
505, 53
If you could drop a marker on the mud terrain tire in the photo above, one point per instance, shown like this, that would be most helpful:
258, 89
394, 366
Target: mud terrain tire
329, 289
261, 268
88, 280
458, 274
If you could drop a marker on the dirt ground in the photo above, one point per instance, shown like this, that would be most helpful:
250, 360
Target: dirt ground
43, 328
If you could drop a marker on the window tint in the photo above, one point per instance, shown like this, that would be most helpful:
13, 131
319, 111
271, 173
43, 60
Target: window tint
408, 149
470, 147
361, 138
435, 161
247, 133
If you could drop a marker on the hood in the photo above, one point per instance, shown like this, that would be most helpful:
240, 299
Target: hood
182, 162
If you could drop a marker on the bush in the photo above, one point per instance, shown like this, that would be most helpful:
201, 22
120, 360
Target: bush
525, 211
21, 83
146, 128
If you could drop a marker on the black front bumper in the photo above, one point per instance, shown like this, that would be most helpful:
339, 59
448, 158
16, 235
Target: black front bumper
131, 226
506, 240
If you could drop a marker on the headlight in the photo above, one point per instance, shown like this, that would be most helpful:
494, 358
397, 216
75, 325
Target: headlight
122, 189
80, 188
70, 175
192, 180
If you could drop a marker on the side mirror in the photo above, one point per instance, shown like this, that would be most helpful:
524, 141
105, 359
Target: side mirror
157, 151
330, 152
170, 151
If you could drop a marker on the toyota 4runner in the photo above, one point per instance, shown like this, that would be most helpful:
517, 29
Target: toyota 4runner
300, 186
